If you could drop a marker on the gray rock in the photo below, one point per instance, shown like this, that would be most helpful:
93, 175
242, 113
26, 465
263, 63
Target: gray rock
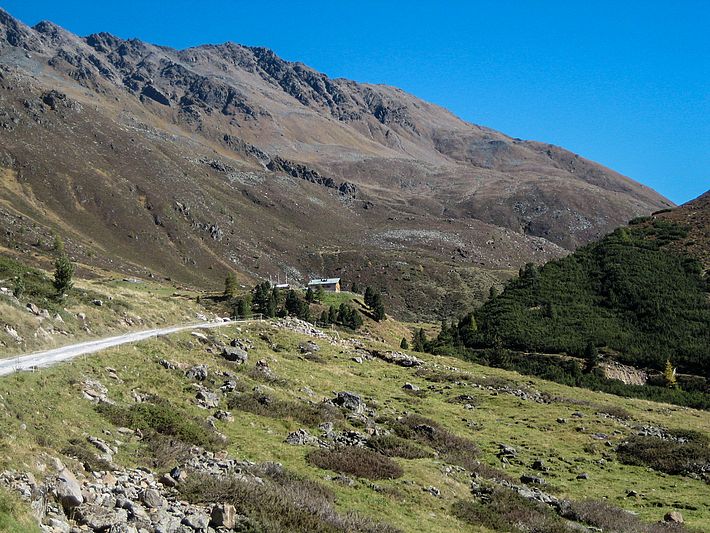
300, 437
197, 521
59, 526
350, 401
100, 518
223, 515
673, 516
235, 354
207, 399
153, 499
531, 480
309, 346
410, 386
583, 475
68, 490
197, 373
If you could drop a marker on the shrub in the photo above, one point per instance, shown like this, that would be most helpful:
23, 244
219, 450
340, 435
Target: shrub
504, 510
359, 462
309, 414
680, 457
393, 446
283, 503
79, 450
615, 411
452, 448
606, 517
163, 418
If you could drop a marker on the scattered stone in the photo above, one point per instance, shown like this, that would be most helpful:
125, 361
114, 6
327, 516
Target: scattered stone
224, 416
309, 346
167, 364
153, 500
207, 399
631, 493
200, 336
538, 464
68, 490
223, 515
358, 360
410, 386
197, 521
674, 517
561, 420
97, 303
300, 437
350, 401
583, 475
531, 480
505, 450
433, 491
398, 358
235, 354
197, 373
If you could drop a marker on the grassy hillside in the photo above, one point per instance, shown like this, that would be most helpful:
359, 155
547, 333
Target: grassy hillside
37, 319
422, 448
628, 294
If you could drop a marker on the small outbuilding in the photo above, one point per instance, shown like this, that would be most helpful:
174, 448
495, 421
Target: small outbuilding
327, 284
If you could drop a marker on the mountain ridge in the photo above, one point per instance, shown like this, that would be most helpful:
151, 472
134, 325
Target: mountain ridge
284, 171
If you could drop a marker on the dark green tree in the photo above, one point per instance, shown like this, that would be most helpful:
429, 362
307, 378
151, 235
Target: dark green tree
355, 288
591, 357
332, 315
369, 293
378, 308
324, 318
241, 308
404, 344
310, 295
420, 342
230, 285
63, 275
320, 294
492, 292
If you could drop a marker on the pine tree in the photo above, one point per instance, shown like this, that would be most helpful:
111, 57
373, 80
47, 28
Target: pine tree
58, 245
378, 307
355, 288
63, 273
404, 345
419, 342
332, 315
230, 285
467, 329
492, 292
591, 357
241, 309
369, 293
310, 296
669, 375
320, 294
324, 318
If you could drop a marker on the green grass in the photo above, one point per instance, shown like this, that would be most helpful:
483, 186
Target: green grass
50, 403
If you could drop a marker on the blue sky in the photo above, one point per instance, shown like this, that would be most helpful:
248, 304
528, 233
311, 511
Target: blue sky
626, 84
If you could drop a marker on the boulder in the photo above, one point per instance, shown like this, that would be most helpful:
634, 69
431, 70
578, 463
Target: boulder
223, 515
300, 437
207, 399
674, 517
100, 518
197, 521
153, 499
68, 490
350, 401
410, 386
197, 373
531, 480
235, 354
309, 346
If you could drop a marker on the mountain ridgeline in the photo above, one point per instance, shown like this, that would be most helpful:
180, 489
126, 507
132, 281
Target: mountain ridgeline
639, 295
191, 163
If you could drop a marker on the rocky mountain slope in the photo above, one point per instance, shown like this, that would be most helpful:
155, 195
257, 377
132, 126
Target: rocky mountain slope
187, 163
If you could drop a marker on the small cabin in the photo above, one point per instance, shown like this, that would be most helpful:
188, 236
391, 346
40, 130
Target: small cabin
327, 284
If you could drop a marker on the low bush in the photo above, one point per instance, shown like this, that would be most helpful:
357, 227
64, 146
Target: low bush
393, 446
615, 411
163, 418
79, 450
504, 510
355, 461
686, 453
309, 414
452, 448
606, 517
283, 503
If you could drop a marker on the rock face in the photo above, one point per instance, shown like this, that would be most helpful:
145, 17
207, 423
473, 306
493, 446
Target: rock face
361, 167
